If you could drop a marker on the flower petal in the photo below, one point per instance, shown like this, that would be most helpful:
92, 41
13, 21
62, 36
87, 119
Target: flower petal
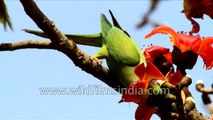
195, 26
168, 56
206, 51
148, 73
188, 42
174, 78
182, 41
134, 93
154, 52
144, 112
164, 30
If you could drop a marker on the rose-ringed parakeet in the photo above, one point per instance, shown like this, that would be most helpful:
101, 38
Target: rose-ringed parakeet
120, 51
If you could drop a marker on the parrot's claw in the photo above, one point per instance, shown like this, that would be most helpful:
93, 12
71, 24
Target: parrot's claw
99, 61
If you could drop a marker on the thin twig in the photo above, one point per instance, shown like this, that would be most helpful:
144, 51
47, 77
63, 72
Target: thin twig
47, 44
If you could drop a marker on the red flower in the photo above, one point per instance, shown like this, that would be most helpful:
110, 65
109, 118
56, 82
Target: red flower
186, 44
137, 92
196, 9
157, 51
160, 57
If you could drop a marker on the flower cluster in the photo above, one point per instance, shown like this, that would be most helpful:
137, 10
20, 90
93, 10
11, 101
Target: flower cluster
160, 63
187, 48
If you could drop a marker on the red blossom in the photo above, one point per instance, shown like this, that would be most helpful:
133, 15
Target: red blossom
184, 43
196, 9
137, 92
145, 74
160, 57
206, 51
156, 51
173, 78
144, 112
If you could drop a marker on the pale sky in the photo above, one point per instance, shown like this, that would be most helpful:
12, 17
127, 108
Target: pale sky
24, 72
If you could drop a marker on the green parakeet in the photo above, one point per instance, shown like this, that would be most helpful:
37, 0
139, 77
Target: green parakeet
120, 51
4, 16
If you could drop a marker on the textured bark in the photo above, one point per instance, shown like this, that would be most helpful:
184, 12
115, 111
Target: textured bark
195, 115
26, 44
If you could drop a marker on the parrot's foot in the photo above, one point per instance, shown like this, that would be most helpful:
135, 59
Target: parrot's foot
99, 61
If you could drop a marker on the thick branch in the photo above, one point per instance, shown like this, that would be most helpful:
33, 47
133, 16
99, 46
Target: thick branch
26, 44
195, 115
205, 95
67, 46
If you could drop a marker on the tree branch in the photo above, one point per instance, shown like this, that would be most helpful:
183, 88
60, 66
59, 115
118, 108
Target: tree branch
68, 47
47, 44
206, 92
201, 88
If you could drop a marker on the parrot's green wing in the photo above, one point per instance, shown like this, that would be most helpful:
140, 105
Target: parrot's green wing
4, 16
122, 48
87, 39
119, 45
